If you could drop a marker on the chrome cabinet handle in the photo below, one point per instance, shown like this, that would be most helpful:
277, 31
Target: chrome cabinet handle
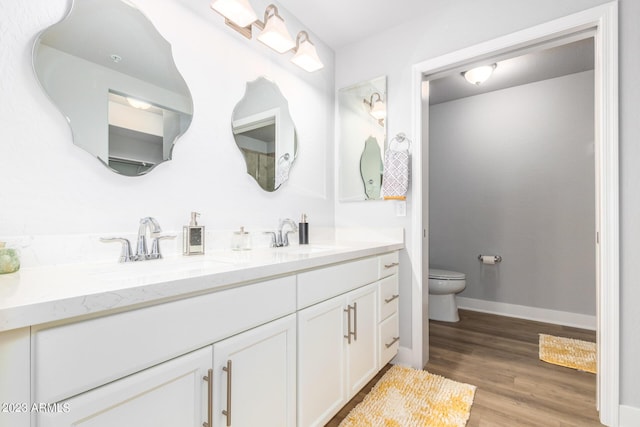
209, 379
393, 264
348, 336
394, 296
227, 411
395, 339
355, 321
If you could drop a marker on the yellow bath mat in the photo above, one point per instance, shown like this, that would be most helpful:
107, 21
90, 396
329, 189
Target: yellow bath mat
568, 352
406, 397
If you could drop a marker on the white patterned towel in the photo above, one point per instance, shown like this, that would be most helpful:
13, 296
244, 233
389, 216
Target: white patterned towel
395, 179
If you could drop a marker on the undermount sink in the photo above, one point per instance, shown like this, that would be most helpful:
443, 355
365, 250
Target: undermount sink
164, 267
309, 249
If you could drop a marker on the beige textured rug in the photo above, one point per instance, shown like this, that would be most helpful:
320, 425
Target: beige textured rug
406, 397
568, 352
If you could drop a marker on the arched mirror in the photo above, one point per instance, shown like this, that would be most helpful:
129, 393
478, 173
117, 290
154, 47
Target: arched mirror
113, 77
363, 134
265, 133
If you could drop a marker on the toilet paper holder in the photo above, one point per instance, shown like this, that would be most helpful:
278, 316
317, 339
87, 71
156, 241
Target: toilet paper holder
496, 258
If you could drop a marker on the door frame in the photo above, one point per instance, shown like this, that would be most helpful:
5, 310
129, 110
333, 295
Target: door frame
603, 20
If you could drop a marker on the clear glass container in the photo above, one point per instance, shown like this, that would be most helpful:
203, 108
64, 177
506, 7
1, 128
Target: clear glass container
241, 240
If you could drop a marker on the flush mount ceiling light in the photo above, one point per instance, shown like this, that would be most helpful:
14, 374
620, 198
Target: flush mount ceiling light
239, 12
240, 16
479, 75
306, 56
377, 107
275, 34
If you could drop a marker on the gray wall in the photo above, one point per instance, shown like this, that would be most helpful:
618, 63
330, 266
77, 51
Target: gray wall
512, 173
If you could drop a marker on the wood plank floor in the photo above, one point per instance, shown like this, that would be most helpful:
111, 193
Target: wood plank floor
499, 355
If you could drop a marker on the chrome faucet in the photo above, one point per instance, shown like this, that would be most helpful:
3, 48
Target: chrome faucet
280, 239
142, 253
154, 230
284, 238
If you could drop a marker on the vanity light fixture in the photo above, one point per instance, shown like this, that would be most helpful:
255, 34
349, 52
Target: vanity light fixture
239, 12
306, 56
479, 75
136, 103
275, 34
377, 107
273, 31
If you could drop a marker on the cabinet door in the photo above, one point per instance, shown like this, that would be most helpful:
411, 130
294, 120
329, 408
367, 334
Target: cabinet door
255, 376
362, 362
321, 361
171, 394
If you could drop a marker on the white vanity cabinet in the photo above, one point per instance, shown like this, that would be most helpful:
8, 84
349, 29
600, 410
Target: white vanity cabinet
171, 394
268, 347
143, 367
337, 353
255, 377
338, 350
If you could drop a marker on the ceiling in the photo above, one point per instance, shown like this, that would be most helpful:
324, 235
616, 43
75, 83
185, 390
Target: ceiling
341, 22
538, 65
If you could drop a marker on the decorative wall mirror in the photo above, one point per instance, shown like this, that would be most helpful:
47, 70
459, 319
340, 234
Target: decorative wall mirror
113, 77
265, 133
363, 134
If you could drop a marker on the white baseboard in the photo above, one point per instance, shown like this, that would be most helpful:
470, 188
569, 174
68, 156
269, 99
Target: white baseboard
530, 313
629, 416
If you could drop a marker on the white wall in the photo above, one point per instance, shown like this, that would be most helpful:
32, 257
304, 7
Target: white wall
455, 25
511, 173
50, 186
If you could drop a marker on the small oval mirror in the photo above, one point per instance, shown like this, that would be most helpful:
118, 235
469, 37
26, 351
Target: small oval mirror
113, 77
265, 134
371, 168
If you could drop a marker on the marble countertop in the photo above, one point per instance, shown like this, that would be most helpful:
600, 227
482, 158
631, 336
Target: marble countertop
45, 294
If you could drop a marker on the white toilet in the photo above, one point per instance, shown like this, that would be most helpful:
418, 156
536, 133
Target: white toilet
443, 287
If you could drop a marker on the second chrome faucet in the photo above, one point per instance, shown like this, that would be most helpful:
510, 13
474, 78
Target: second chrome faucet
280, 238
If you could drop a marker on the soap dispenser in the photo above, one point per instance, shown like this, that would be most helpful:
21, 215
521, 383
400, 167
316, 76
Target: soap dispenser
303, 230
193, 237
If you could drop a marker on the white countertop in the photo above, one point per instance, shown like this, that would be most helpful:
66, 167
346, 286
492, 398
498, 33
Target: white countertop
45, 294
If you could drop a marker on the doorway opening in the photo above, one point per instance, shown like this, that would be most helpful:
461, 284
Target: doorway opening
602, 22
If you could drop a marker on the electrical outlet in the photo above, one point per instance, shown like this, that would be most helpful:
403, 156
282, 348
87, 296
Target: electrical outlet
401, 208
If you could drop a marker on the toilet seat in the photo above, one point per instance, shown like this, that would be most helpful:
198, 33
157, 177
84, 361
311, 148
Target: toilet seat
435, 273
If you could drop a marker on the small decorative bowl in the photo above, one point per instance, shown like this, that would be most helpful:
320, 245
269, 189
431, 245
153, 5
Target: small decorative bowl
9, 260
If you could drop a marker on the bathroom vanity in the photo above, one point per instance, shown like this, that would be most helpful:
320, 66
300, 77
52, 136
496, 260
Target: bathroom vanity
270, 337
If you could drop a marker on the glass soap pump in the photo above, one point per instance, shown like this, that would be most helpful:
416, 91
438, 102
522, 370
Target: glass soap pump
193, 237
241, 240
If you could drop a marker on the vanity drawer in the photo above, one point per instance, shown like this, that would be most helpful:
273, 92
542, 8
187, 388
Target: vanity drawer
388, 297
320, 285
75, 357
388, 264
389, 339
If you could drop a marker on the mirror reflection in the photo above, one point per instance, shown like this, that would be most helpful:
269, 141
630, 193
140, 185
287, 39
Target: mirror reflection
113, 77
371, 168
362, 124
265, 134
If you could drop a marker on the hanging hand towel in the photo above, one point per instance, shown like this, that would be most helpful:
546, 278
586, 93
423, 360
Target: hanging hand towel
395, 179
